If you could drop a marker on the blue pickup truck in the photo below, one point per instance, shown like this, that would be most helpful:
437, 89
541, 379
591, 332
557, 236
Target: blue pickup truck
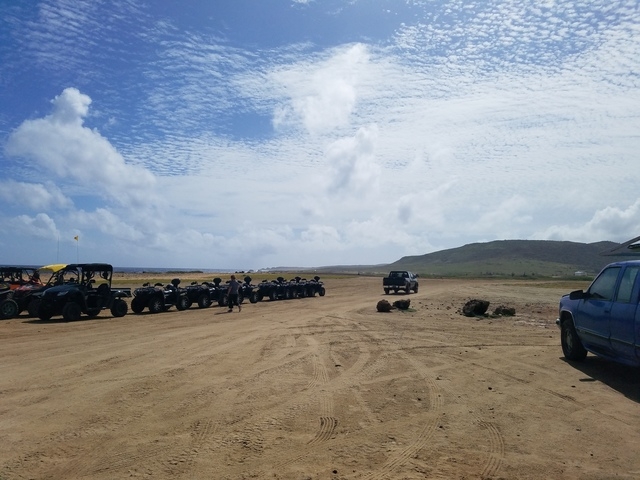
604, 319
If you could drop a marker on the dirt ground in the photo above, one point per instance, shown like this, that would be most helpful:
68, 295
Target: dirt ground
317, 388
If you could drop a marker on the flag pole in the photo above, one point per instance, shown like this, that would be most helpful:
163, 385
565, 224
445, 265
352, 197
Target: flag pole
77, 248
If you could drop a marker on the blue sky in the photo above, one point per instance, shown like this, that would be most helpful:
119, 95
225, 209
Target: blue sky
249, 134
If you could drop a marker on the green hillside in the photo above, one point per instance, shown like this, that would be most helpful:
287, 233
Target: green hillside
517, 258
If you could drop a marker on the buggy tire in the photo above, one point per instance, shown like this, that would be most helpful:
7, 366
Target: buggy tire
32, 307
93, 312
156, 304
8, 308
204, 300
137, 305
572, 347
71, 312
44, 313
119, 308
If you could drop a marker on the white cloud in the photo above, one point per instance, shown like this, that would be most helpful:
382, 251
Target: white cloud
322, 95
609, 223
41, 226
61, 144
34, 196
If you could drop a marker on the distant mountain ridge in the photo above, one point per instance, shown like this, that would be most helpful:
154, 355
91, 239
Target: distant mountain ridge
506, 258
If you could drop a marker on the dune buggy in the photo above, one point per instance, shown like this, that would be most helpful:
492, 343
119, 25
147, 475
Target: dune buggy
85, 289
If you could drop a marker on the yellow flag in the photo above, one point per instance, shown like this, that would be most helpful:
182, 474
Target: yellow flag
76, 238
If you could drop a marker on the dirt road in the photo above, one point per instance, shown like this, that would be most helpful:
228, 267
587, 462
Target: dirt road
317, 388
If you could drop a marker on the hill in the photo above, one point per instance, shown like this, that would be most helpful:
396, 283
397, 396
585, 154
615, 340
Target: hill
544, 258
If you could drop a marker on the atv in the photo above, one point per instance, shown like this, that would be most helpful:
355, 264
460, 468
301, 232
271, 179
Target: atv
86, 290
248, 290
223, 292
202, 294
159, 298
315, 286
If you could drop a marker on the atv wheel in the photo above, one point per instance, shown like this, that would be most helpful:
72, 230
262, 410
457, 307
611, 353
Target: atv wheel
183, 303
119, 308
156, 304
71, 312
386, 291
273, 295
137, 305
253, 297
322, 291
223, 300
204, 300
8, 308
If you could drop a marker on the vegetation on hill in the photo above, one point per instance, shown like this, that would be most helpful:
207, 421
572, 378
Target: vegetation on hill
513, 258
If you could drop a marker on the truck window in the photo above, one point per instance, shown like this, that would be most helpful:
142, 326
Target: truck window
604, 286
626, 284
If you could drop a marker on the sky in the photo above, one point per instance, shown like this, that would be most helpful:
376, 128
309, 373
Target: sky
249, 134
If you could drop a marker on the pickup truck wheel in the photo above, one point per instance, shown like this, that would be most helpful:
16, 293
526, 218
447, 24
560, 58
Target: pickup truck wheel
156, 305
71, 312
415, 289
119, 308
571, 345
137, 305
8, 308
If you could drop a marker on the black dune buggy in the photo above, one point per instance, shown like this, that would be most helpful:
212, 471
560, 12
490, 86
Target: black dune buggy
85, 289
28, 296
159, 298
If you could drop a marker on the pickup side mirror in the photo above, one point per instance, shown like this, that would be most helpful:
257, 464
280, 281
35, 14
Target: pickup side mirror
578, 295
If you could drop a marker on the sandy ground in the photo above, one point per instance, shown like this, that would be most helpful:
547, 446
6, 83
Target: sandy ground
317, 388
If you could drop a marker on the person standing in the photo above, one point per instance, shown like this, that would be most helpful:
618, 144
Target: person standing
232, 294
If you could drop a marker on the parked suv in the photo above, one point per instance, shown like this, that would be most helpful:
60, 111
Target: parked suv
86, 290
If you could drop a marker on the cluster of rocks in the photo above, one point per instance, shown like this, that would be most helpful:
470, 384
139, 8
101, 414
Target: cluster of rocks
385, 306
478, 308
473, 308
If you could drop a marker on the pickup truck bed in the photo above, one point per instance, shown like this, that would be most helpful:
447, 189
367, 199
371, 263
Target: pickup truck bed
400, 280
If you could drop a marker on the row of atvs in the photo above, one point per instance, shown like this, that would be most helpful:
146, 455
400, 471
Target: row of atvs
158, 298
